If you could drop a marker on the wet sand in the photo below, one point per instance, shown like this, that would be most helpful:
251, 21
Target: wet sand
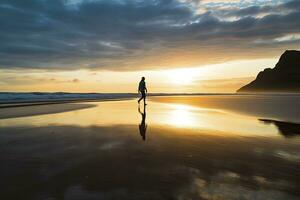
167, 151
23, 111
277, 107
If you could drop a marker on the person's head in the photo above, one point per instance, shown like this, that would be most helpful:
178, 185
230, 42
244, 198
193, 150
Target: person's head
143, 78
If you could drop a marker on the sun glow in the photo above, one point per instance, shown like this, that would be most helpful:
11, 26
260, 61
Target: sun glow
181, 76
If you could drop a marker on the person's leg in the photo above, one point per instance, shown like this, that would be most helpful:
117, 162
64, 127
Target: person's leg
140, 99
144, 94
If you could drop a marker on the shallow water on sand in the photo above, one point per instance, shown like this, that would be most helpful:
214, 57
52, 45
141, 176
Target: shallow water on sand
187, 149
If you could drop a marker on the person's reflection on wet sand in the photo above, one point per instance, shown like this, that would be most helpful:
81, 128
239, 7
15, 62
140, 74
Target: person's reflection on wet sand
143, 125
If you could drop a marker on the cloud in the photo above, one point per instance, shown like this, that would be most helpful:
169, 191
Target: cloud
223, 85
133, 35
75, 80
262, 10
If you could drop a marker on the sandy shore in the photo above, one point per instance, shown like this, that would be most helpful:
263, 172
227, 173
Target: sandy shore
23, 111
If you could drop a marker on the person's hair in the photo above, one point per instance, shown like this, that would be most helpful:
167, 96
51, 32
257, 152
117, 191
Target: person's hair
143, 78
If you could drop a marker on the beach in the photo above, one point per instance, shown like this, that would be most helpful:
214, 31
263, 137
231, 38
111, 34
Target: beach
150, 100
178, 147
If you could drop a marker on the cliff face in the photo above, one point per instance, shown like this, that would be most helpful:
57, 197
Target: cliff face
284, 77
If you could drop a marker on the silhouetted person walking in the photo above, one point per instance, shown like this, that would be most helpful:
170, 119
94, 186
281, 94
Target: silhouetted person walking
143, 125
142, 89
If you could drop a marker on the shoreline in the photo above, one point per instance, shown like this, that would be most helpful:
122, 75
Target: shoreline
261, 106
17, 110
10, 103
27, 111
50, 102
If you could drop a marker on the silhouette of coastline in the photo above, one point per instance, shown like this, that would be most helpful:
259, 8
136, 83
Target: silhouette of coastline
285, 77
287, 129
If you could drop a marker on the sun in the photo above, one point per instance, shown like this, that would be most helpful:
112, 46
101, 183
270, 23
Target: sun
181, 76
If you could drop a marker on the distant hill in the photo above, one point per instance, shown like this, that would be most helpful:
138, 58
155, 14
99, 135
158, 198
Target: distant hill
284, 77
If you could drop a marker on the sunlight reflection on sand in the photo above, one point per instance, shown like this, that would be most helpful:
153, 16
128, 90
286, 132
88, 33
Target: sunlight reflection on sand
162, 114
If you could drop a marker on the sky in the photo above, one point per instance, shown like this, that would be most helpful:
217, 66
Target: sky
107, 45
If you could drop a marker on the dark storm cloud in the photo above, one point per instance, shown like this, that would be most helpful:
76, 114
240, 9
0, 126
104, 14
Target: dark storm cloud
56, 34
